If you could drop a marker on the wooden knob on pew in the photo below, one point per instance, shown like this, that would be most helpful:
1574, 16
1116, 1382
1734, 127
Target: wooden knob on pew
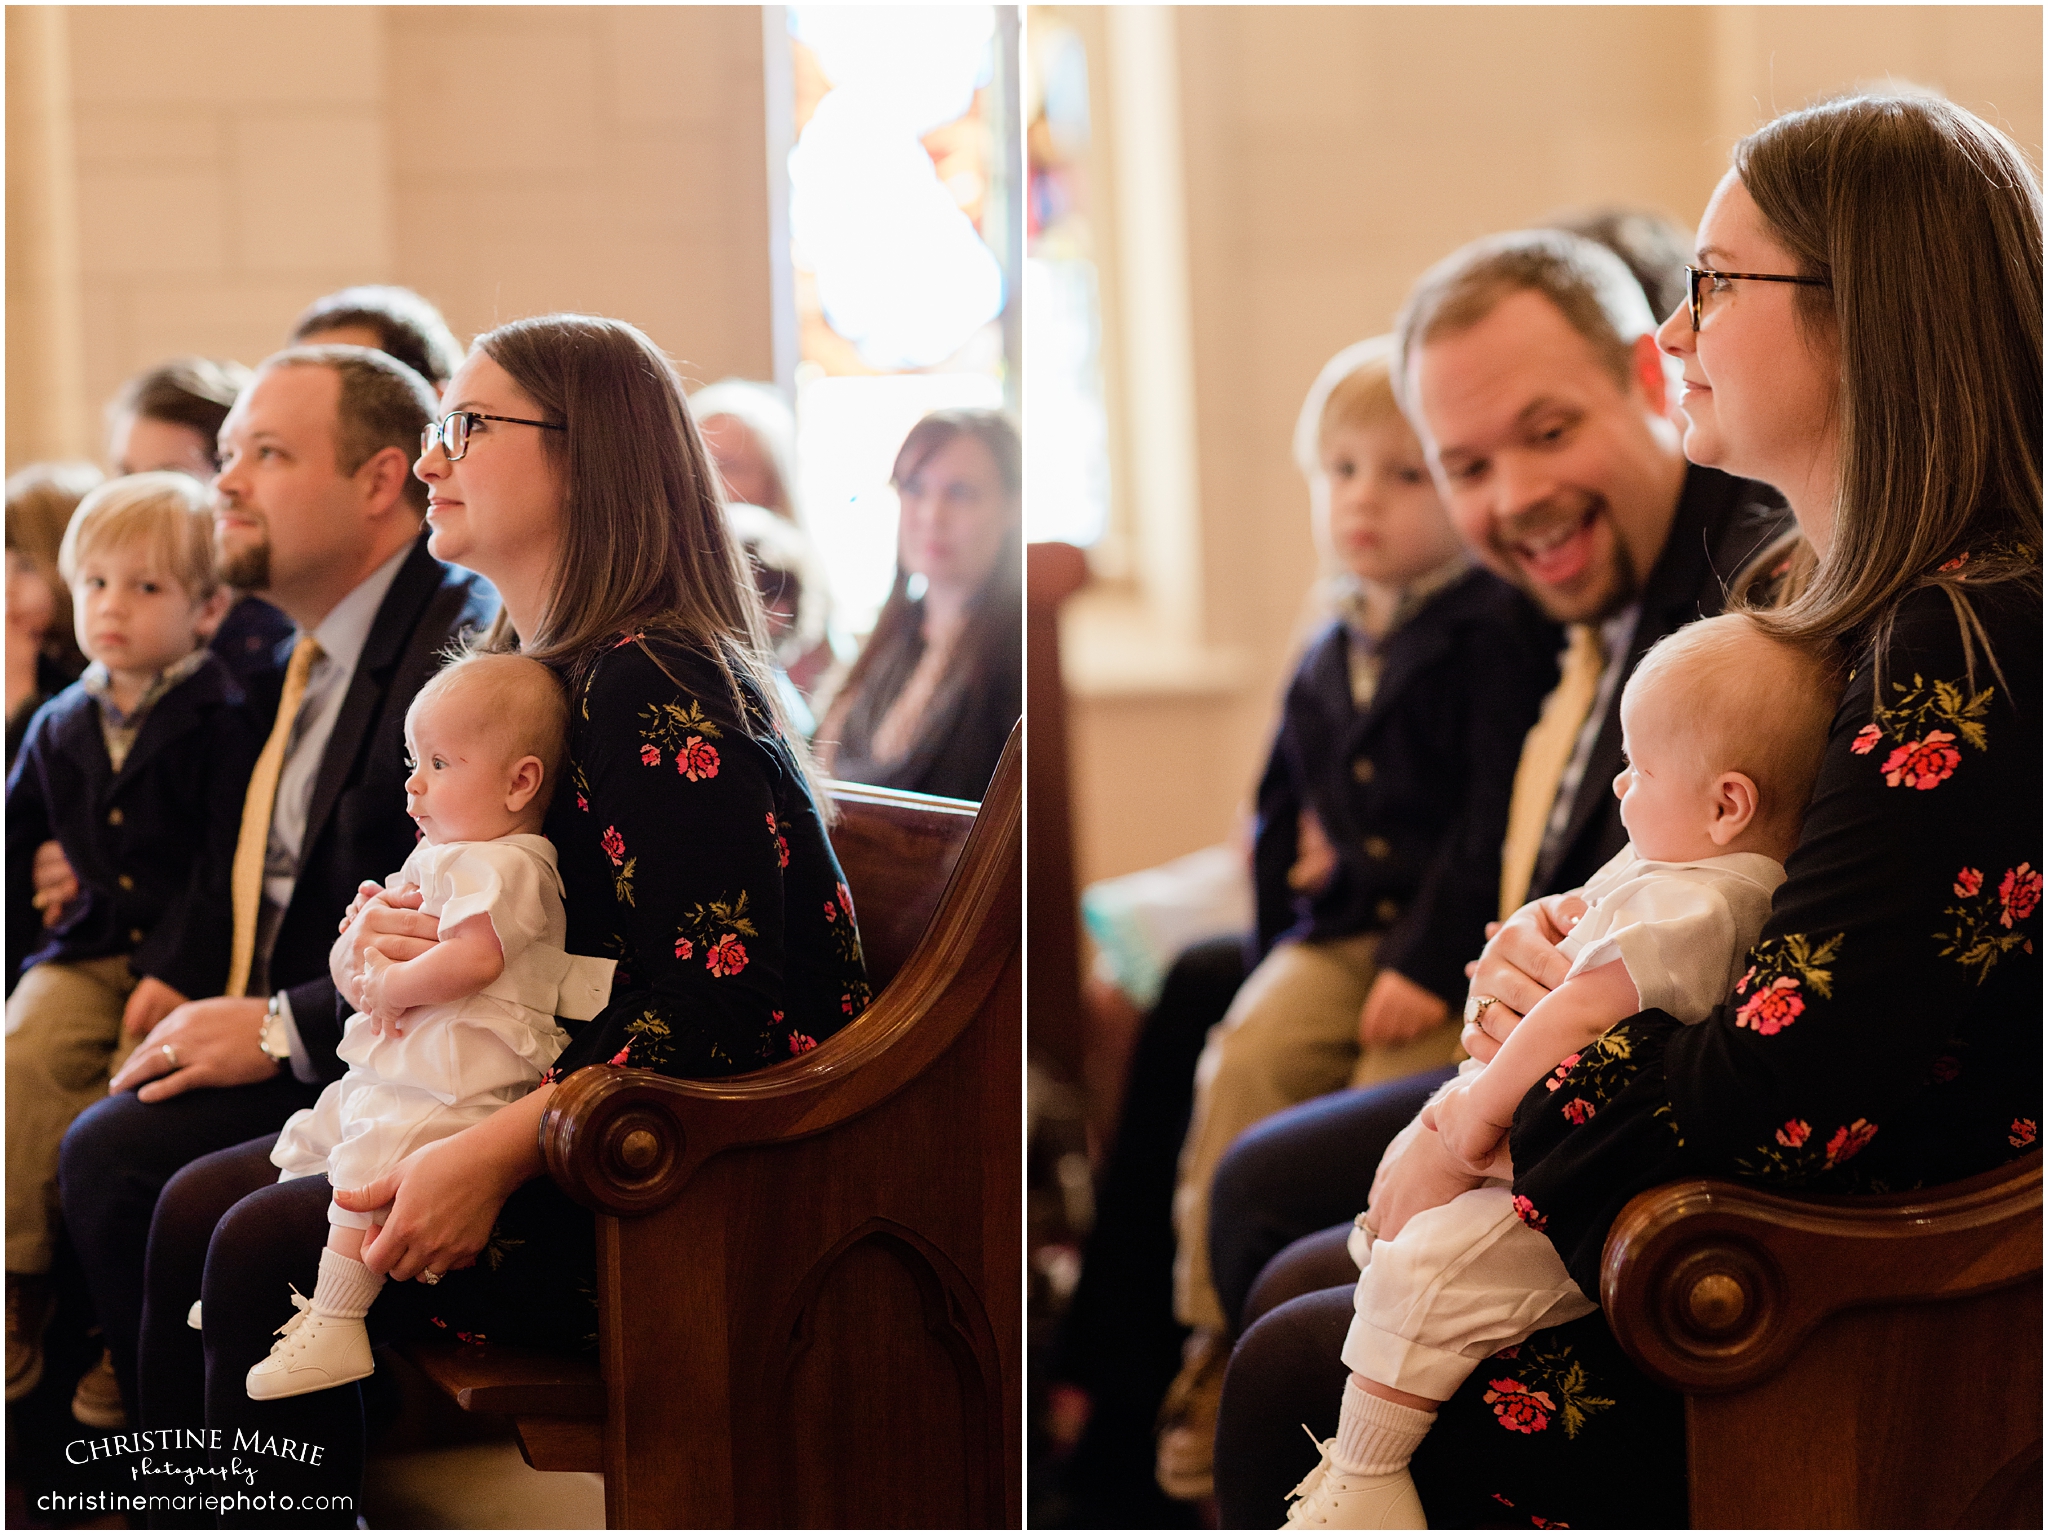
638, 1149
1718, 1303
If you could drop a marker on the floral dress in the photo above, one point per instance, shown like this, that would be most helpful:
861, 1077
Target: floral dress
693, 854
1885, 1036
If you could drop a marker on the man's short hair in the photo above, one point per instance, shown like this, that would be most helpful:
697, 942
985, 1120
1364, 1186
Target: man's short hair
383, 404
407, 326
1590, 286
192, 392
1654, 249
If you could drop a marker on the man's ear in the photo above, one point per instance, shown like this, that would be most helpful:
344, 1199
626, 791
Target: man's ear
385, 476
1734, 808
525, 783
1647, 363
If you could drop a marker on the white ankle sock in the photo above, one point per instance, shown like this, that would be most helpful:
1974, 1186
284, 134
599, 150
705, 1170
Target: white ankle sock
346, 1288
1374, 1436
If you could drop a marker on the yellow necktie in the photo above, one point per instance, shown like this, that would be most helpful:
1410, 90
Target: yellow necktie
254, 841
1545, 753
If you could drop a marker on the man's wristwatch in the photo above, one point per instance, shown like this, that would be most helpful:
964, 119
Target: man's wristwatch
273, 1039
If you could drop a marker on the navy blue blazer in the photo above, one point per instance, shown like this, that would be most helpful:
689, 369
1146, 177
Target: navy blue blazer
152, 845
356, 825
1412, 790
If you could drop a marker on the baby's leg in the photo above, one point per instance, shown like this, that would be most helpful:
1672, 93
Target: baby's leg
1460, 1283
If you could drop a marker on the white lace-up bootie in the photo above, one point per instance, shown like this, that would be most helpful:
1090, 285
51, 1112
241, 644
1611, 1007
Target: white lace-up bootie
1330, 1499
312, 1353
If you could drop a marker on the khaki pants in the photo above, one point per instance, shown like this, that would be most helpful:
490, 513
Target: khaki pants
63, 1041
1291, 1034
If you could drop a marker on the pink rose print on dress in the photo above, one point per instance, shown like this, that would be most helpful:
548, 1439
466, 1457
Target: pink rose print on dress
685, 948
582, 803
1578, 1111
624, 1051
1519, 1409
1969, 882
2018, 893
614, 846
831, 912
1527, 1213
624, 640
1946, 1068
799, 1043
1774, 1007
1922, 764
697, 759
781, 842
728, 956
1849, 1140
2023, 1132
1794, 1133
1866, 740
650, 755
846, 897
1564, 1069
1955, 564
846, 1003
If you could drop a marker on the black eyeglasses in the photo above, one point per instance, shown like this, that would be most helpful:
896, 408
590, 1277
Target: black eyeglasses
1693, 274
452, 430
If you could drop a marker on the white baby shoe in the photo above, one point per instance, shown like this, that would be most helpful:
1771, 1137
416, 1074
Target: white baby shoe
312, 1353
1329, 1499
192, 1318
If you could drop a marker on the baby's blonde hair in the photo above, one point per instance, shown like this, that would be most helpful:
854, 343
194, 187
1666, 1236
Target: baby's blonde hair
169, 514
1740, 699
1355, 388
524, 704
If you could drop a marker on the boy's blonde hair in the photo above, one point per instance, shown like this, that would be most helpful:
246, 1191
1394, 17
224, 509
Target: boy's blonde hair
1355, 388
1738, 698
169, 514
523, 703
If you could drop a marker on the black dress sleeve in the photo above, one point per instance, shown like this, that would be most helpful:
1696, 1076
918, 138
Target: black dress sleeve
694, 856
1887, 1033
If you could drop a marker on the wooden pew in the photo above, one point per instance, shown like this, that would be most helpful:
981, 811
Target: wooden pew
809, 1277
1847, 1363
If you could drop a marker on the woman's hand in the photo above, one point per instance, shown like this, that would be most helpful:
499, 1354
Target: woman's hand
371, 987
1467, 1138
441, 1212
1519, 966
1397, 1010
391, 921
1416, 1174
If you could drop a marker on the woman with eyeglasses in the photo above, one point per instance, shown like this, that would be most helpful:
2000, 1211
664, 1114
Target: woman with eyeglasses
1863, 331
688, 823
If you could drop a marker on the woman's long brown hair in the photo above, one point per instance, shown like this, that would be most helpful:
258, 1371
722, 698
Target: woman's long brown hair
645, 544
1926, 222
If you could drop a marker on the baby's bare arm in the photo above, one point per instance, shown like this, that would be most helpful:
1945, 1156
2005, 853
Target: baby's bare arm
1568, 1019
467, 959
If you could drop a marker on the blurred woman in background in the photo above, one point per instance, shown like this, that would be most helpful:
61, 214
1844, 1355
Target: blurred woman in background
751, 436
932, 697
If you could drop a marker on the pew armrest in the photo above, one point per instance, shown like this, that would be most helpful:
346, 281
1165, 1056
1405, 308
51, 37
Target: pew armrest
1712, 1287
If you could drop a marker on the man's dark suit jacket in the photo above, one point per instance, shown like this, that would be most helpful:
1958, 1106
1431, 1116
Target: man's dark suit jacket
152, 845
1720, 525
356, 825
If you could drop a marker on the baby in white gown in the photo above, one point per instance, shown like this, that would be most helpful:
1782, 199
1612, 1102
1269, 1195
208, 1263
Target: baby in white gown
1723, 727
451, 1036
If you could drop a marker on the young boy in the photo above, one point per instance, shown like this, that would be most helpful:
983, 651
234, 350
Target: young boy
453, 1035
137, 771
1722, 729
1380, 818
